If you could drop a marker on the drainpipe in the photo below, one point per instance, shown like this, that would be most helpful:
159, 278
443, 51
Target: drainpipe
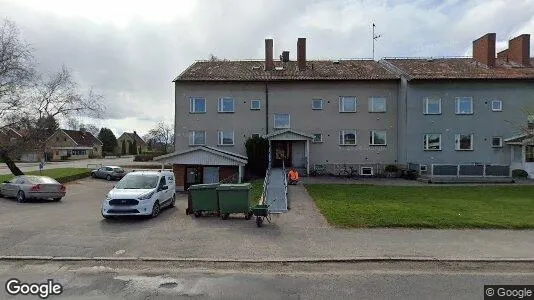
266, 108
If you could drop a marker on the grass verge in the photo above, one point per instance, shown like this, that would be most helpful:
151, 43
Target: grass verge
510, 207
62, 175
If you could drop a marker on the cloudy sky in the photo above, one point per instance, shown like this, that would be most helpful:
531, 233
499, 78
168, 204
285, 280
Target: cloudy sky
131, 50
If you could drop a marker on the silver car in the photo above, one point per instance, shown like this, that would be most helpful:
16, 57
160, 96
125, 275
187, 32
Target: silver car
109, 173
33, 187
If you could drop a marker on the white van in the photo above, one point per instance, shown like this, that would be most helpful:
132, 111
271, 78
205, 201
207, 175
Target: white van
142, 193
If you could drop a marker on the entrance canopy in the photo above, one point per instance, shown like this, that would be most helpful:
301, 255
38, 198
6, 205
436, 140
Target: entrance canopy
287, 135
520, 139
203, 155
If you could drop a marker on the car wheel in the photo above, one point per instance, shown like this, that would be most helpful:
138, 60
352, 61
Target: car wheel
93, 174
155, 210
107, 217
173, 201
21, 197
56, 199
108, 178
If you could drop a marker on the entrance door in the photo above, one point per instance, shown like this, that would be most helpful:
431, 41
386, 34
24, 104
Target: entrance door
281, 152
298, 153
211, 174
193, 175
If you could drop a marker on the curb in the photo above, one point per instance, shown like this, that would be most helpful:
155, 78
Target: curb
260, 261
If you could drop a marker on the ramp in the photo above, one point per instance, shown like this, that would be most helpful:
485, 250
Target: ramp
276, 191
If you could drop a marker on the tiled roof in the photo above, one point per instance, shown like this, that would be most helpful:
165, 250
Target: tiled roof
83, 138
251, 70
460, 68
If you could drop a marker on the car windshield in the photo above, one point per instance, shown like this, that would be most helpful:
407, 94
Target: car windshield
40, 179
118, 170
138, 182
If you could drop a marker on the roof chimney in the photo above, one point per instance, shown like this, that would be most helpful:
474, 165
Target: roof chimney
484, 49
519, 49
269, 61
301, 54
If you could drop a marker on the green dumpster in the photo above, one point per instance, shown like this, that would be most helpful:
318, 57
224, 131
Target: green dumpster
235, 199
203, 198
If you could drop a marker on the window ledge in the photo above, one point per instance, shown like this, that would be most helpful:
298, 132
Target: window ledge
432, 149
464, 149
378, 145
348, 112
226, 112
345, 145
197, 112
431, 113
496, 110
464, 114
377, 112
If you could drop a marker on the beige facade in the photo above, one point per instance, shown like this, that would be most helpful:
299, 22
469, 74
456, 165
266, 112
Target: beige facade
294, 98
60, 146
127, 140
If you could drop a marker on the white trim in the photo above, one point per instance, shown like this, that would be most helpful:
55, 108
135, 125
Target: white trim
288, 119
220, 138
72, 148
192, 102
320, 101
426, 141
423, 168
64, 134
317, 141
342, 137
371, 102
500, 105
255, 134
255, 100
193, 132
280, 132
220, 105
458, 105
457, 142
232, 156
342, 106
500, 144
372, 138
366, 168
425, 106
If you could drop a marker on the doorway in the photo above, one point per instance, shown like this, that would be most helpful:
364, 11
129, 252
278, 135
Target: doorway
281, 152
193, 175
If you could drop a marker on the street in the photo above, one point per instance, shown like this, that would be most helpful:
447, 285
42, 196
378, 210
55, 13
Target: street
178, 280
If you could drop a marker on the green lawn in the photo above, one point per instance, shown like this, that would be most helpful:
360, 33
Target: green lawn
425, 207
60, 174
257, 189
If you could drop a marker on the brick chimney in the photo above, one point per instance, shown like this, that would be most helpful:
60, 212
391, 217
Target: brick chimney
503, 54
484, 49
519, 49
269, 61
301, 54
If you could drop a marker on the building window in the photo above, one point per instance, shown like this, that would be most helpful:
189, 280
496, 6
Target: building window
255, 104
317, 104
282, 121
496, 105
377, 104
197, 137
255, 135
347, 137
422, 168
226, 138
377, 138
226, 105
197, 105
529, 153
317, 138
79, 152
366, 171
347, 104
432, 141
432, 106
464, 142
464, 105
496, 142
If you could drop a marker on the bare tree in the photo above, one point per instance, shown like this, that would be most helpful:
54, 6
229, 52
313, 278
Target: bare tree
161, 135
73, 124
91, 128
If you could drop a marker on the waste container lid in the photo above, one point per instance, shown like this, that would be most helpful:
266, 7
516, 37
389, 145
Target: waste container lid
235, 186
204, 186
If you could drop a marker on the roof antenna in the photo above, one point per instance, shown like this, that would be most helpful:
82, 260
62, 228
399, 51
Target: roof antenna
375, 37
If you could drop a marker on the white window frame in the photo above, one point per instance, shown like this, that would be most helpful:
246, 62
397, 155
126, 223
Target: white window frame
252, 104
372, 102
457, 142
192, 134
342, 102
426, 102
458, 100
220, 105
426, 141
372, 138
192, 106
319, 140
342, 137
220, 138
368, 169
282, 127
423, 168
317, 108
500, 142
255, 134
500, 105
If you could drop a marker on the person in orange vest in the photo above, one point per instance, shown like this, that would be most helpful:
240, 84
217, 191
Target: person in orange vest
293, 176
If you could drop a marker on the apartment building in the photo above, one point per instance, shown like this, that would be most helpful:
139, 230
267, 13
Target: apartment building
467, 110
312, 111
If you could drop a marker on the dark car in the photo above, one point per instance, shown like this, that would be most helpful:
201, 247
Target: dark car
108, 173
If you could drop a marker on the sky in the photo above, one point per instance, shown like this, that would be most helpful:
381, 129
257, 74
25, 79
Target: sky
130, 51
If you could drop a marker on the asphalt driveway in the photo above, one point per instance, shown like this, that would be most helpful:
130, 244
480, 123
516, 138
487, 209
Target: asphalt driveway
75, 228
